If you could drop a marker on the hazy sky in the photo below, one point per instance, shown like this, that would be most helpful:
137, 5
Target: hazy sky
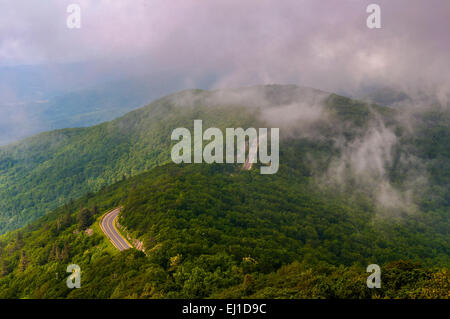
324, 44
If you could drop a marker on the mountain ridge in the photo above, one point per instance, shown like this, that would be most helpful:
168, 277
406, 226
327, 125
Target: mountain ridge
43, 172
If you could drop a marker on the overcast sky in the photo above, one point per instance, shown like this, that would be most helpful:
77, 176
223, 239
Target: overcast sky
324, 44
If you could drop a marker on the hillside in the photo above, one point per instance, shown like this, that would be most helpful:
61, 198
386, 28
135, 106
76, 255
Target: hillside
43, 172
81, 107
358, 184
218, 231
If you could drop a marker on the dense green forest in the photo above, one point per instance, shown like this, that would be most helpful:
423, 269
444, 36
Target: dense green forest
43, 172
355, 187
218, 231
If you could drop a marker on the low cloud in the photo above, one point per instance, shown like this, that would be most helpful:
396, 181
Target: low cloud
322, 44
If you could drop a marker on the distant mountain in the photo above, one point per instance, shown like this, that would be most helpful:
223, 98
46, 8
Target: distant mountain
94, 105
76, 109
385, 96
40, 98
27, 83
41, 173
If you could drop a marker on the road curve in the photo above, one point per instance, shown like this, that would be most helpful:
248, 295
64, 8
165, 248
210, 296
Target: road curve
108, 225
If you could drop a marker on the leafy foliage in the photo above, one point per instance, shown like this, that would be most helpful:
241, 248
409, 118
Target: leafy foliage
217, 231
43, 172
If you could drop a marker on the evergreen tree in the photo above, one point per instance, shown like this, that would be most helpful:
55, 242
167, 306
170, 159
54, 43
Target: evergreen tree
65, 252
23, 263
54, 253
4, 266
84, 218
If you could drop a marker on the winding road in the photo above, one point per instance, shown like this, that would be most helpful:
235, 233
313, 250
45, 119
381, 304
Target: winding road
108, 225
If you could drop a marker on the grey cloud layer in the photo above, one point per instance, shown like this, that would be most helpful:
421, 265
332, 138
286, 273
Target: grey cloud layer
323, 44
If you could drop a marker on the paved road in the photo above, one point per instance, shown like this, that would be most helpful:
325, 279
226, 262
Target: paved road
107, 225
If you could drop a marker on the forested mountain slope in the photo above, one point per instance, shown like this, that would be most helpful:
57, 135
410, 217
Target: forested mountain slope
218, 231
42, 172
356, 186
351, 144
